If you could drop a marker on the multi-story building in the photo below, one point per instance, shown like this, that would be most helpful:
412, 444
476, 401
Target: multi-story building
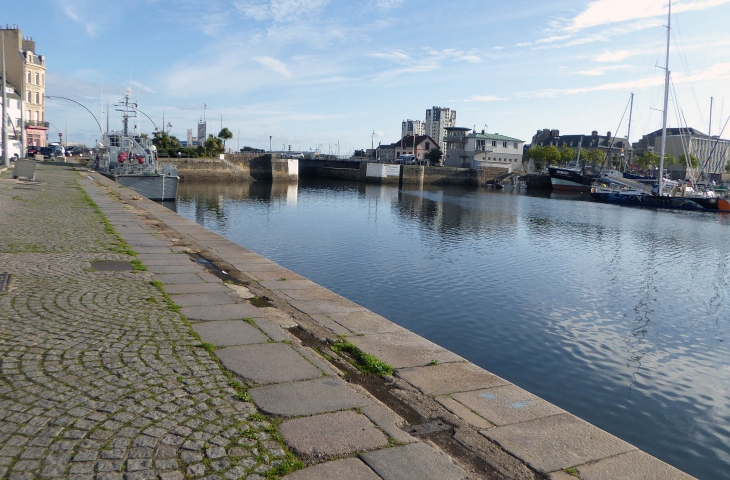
26, 71
437, 119
618, 147
476, 150
412, 127
12, 118
712, 152
419, 148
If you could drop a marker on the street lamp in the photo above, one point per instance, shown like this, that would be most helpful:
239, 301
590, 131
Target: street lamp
270, 137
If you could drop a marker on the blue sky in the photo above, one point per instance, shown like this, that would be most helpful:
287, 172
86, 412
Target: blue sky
317, 72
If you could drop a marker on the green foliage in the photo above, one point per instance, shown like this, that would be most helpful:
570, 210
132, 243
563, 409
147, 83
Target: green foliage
434, 156
567, 154
552, 154
208, 346
213, 145
224, 135
694, 161
593, 156
138, 266
646, 160
365, 362
161, 140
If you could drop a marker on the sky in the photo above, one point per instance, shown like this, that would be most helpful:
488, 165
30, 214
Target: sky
318, 73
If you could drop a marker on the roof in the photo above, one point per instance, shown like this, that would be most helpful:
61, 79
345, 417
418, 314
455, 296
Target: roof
407, 141
493, 136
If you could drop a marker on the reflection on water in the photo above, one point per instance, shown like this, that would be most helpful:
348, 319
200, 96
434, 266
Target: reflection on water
615, 314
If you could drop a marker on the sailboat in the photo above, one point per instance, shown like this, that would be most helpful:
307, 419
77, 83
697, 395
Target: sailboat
667, 193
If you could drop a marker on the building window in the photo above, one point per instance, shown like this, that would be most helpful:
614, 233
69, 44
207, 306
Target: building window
43, 79
28, 77
494, 143
37, 98
29, 97
37, 79
515, 145
504, 144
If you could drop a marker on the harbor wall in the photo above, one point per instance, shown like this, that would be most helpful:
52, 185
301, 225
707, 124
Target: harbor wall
256, 167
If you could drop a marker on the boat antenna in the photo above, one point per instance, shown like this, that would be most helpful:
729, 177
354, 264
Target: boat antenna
666, 101
628, 133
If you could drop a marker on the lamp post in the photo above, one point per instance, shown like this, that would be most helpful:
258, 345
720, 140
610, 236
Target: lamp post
6, 150
270, 137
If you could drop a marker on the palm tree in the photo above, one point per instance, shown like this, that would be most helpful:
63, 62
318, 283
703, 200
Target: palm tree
224, 135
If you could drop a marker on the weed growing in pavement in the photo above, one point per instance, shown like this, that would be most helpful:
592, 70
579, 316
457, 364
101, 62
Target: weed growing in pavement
366, 363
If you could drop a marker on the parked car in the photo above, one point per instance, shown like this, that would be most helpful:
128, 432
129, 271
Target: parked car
406, 160
47, 152
32, 150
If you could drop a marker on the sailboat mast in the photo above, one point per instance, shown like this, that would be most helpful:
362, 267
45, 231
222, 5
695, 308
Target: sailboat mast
628, 134
666, 101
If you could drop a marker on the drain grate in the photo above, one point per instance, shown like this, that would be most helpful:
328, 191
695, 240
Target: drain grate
5, 280
427, 428
112, 266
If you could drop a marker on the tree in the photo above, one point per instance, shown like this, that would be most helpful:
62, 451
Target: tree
552, 154
174, 142
596, 157
646, 160
435, 155
693, 161
213, 145
567, 154
536, 153
161, 140
224, 135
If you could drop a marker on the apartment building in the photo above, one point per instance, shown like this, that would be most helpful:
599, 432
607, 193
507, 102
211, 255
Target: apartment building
26, 72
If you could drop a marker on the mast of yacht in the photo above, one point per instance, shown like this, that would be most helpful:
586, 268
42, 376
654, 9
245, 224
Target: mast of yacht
666, 102
628, 135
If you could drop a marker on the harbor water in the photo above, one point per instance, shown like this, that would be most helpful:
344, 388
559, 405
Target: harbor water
619, 315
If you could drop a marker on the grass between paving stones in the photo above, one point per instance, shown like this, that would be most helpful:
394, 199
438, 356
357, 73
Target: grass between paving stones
571, 471
260, 302
366, 363
287, 464
119, 245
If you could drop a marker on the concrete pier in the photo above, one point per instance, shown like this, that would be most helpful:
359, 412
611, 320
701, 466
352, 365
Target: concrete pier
137, 344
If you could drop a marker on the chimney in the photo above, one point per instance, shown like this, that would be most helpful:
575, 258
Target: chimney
594, 133
555, 133
608, 134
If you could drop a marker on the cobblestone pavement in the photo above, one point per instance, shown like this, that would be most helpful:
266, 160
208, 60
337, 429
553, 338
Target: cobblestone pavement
99, 378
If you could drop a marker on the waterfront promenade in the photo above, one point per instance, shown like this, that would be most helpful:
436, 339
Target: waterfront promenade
137, 344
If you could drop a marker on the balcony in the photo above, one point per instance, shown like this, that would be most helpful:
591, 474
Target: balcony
36, 123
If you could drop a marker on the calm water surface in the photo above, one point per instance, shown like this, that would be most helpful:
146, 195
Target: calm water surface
615, 314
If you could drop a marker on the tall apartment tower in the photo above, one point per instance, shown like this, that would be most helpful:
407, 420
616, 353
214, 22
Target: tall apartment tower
437, 119
26, 72
412, 127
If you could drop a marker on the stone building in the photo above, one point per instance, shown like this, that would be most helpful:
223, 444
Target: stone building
26, 72
469, 149
618, 146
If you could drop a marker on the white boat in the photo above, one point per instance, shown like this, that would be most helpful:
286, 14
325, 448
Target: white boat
131, 160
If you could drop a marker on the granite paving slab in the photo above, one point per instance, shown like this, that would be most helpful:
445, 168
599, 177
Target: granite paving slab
560, 441
363, 322
269, 276
403, 349
629, 466
184, 268
309, 294
507, 404
267, 363
227, 333
464, 413
416, 461
348, 468
326, 306
203, 299
322, 395
165, 259
236, 311
386, 419
331, 434
152, 250
282, 285
175, 289
260, 267
182, 278
449, 378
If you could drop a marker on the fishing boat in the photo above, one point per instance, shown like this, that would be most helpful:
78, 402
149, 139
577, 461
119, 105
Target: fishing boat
131, 160
612, 187
573, 177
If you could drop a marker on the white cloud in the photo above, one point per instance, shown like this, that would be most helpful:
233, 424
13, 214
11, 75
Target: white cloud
141, 87
274, 64
523, 44
602, 70
280, 11
553, 39
70, 12
718, 71
602, 12
616, 56
395, 56
388, 4
484, 98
